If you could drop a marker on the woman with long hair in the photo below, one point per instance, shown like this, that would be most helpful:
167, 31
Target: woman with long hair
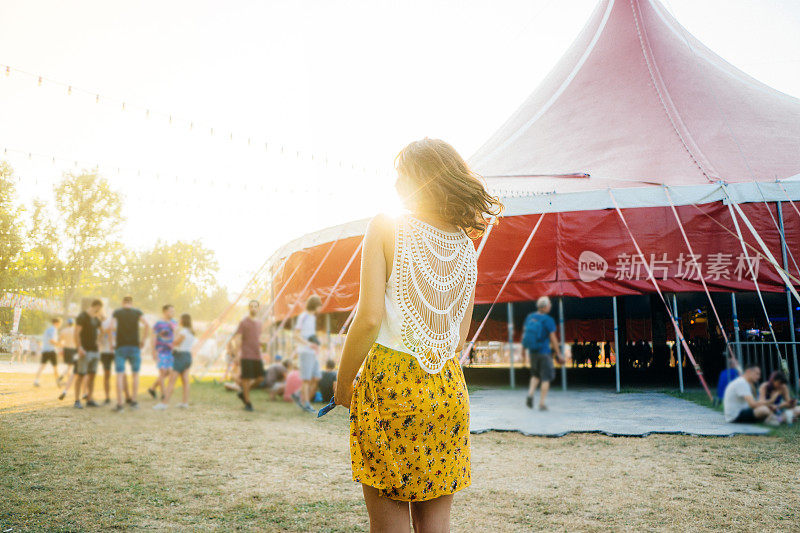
182, 361
409, 409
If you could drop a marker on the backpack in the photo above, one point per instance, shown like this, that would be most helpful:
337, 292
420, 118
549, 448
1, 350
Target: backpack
533, 333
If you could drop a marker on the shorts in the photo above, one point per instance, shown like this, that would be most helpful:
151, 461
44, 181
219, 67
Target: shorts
165, 360
69, 355
87, 364
49, 357
182, 361
745, 416
542, 366
309, 365
252, 368
127, 353
106, 358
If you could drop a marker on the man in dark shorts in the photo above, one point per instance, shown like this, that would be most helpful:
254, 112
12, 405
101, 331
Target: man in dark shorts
129, 344
49, 344
86, 331
540, 340
739, 403
249, 335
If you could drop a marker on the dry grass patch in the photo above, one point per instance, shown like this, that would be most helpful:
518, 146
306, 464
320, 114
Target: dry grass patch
215, 467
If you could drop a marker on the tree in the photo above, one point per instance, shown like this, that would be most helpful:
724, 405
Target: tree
86, 228
10, 240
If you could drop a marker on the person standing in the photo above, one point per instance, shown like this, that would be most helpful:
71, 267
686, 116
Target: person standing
66, 339
106, 344
182, 361
248, 335
164, 335
409, 407
129, 344
87, 326
305, 333
540, 340
49, 345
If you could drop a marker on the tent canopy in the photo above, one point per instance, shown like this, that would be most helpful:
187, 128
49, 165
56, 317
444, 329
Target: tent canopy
636, 106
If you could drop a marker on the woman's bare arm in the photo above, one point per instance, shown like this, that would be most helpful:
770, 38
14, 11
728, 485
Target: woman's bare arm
367, 322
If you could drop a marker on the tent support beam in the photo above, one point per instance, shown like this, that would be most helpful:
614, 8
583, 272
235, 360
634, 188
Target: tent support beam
789, 304
616, 342
736, 330
510, 307
563, 343
679, 356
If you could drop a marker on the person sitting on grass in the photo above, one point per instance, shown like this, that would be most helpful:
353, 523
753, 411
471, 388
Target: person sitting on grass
327, 383
739, 403
776, 391
275, 378
292, 384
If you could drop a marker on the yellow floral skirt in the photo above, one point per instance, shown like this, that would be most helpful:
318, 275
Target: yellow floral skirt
409, 430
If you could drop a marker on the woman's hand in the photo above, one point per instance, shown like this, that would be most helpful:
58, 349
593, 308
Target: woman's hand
343, 395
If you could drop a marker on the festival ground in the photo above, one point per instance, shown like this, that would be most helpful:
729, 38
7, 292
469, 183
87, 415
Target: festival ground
216, 467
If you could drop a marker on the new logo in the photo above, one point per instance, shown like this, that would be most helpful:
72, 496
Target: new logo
591, 266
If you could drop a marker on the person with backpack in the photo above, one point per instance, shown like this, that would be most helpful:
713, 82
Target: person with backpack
541, 342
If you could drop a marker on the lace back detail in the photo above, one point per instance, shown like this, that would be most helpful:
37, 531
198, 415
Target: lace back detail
435, 274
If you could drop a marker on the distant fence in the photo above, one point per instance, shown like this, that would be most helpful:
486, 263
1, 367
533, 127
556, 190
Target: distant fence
768, 356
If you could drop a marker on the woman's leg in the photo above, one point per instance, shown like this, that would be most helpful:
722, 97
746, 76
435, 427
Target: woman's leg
185, 384
170, 386
432, 516
385, 515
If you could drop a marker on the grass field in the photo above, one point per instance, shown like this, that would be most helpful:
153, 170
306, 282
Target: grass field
216, 467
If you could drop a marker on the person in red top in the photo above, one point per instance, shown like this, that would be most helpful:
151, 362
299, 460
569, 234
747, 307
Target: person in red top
252, 366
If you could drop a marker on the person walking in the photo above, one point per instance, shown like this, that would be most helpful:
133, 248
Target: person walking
248, 337
129, 344
106, 344
409, 408
87, 326
541, 342
49, 345
182, 361
164, 336
308, 350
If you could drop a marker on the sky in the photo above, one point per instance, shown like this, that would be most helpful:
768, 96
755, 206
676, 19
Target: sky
350, 81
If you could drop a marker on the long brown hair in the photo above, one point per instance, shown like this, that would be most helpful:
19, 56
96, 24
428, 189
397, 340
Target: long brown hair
442, 184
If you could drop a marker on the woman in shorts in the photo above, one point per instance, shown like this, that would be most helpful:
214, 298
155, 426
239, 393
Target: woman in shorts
182, 361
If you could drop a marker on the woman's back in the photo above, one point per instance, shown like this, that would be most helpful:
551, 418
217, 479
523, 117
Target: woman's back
433, 275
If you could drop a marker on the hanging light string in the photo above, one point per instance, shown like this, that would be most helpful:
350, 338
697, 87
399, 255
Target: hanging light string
131, 266
91, 283
119, 170
176, 121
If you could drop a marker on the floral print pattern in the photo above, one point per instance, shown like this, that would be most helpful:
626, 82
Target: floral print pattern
409, 430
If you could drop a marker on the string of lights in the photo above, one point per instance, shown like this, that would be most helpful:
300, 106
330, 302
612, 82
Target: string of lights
88, 283
250, 140
131, 265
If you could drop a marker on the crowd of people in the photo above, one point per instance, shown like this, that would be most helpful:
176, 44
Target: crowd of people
298, 378
96, 338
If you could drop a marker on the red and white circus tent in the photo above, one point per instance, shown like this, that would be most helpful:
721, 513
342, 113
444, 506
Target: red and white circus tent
637, 113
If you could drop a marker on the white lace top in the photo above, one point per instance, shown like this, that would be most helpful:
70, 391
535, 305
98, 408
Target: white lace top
429, 289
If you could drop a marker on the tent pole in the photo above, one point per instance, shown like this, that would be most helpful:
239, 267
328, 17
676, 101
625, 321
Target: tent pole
736, 331
563, 343
510, 307
616, 341
789, 305
677, 342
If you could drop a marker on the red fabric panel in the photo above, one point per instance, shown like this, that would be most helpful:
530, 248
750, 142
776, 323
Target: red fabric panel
552, 264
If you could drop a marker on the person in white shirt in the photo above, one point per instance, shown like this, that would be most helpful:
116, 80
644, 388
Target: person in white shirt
182, 361
739, 403
49, 344
305, 334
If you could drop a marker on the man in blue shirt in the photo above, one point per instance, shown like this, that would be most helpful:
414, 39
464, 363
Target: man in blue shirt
541, 342
49, 343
